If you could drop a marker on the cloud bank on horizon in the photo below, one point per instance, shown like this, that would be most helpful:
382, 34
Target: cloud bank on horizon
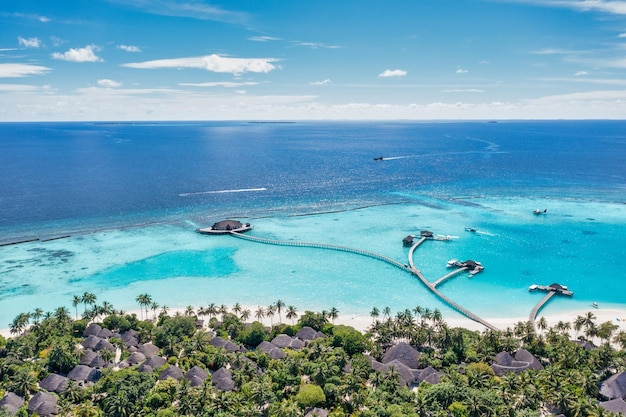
399, 59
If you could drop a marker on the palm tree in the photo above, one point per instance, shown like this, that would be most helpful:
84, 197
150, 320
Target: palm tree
269, 312
19, 323
164, 310
279, 308
292, 313
542, 324
212, 310
237, 308
62, 315
144, 300
245, 314
75, 302
107, 308
374, 313
88, 298
333, 314
36, 315
387, 312
259, 313
223, 310
189, 310
154, 307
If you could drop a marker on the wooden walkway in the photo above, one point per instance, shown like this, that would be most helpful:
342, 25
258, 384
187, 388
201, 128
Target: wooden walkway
450, 275
539, 306
323, 246
439, 294
409, 268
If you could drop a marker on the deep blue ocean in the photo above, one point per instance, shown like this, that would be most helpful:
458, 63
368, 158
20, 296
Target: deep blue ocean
130, 196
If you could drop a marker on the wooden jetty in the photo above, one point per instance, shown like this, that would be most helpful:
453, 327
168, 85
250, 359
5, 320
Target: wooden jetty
552, 290
439, 294
450, 275
409, 268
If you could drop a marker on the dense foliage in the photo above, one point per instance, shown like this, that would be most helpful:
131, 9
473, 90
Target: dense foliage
334, 373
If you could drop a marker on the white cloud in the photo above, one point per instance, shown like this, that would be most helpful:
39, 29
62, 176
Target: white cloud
21, 70
463, 90
30, 42
192, 9
263, 38
580, 73
586, 96
323, 82
622, 35
85, 54
462, 71
606, 6
316, 45
109, 83
17, 87
129, 48
227, 84
392, 73
213, 63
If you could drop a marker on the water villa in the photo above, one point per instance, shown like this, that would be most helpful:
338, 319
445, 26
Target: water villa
226, 227
474, 267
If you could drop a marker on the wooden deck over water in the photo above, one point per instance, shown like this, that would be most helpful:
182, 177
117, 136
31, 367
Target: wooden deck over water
410, 268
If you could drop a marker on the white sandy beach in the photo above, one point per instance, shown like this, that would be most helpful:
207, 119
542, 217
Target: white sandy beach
362, 323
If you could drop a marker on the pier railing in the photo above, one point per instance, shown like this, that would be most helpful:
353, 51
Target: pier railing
409, 268
323, 246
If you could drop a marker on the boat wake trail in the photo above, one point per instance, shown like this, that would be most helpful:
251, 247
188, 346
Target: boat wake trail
391, 158
241, 190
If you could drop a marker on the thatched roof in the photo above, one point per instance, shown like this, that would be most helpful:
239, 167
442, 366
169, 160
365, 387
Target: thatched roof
616, 406
406, 374
196, 376
135, 358
91, 358
218, 341
84, 373
92, 330
222, 379
266, 346
614, 386
506, 363
307, 333
130, 338
404, 353
44, 404
430, 375
227, 225
271, 349
104, 344
91, 342
171, 371
11, 402
282, 340
54, 383
523, 355
151, 364
148, 349
296, 344
316, 412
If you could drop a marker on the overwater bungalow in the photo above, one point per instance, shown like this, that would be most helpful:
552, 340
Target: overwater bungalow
408, 241
226, 226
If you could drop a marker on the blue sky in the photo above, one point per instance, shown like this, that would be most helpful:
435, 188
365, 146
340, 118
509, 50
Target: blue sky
323, 59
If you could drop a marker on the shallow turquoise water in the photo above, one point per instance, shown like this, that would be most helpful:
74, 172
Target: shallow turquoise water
578, 243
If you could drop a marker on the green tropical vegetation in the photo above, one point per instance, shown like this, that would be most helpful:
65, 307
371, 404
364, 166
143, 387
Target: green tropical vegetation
335, 373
